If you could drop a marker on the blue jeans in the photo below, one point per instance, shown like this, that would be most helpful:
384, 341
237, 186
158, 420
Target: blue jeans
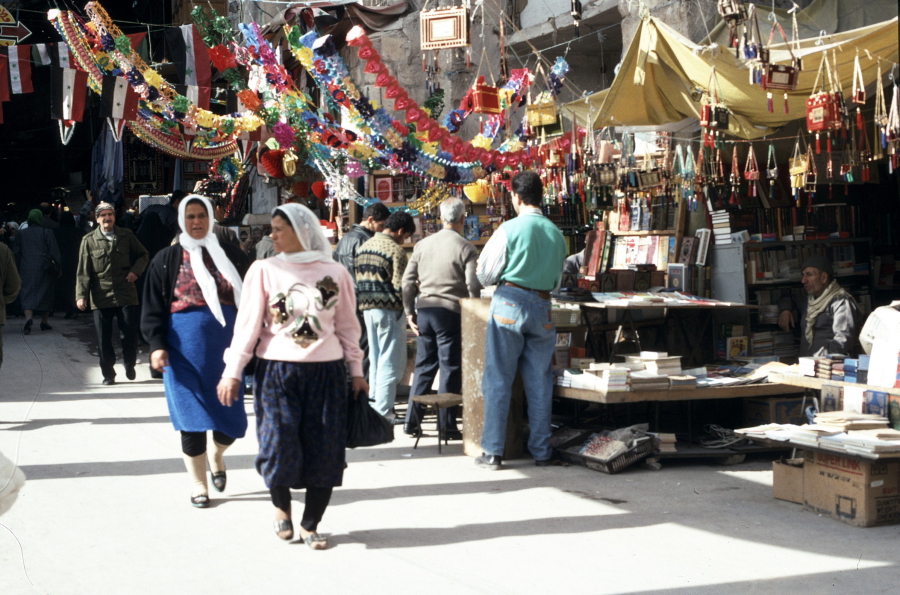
387, 355
519, 336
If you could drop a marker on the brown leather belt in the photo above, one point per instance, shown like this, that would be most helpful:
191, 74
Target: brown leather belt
544, 295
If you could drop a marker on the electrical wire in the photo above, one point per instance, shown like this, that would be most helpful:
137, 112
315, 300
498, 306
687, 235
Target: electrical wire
719, 437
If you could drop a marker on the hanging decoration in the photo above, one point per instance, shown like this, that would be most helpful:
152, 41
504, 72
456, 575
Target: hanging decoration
444, 28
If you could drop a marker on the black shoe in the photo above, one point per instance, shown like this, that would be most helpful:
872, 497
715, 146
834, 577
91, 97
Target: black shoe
201, 501
27, 329
410, 431
453, 435
130, 373
491, 462
219, 479
46, 327
109, 381
546, 463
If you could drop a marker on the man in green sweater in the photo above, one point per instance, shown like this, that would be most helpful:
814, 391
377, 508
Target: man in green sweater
440, 273
380, 263
524, 258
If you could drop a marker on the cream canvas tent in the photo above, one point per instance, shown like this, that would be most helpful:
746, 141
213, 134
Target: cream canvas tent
663, 74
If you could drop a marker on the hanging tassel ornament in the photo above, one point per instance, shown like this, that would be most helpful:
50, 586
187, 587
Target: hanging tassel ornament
818, 145
786, 110
769, 102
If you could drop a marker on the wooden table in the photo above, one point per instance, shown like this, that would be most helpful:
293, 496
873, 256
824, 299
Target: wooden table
819, 383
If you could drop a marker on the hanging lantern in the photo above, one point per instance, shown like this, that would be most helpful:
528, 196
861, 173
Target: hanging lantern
478, 192
485, 99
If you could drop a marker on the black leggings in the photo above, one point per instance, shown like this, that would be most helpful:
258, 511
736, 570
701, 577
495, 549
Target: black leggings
316, 502
193, 444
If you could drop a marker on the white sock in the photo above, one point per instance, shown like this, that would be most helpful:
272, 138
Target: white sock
216, 461
196, 468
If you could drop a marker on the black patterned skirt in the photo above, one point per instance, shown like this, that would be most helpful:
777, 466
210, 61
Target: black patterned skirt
301, 423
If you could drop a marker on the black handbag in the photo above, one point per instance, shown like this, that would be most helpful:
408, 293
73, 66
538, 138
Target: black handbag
50, 265
365, 427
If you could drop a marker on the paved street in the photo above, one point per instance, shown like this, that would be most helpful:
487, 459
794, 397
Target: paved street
106, 510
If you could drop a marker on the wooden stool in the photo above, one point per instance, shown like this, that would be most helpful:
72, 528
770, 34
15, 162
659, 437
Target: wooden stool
438, 402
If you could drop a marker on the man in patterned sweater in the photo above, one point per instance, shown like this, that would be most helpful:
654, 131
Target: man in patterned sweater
380, 263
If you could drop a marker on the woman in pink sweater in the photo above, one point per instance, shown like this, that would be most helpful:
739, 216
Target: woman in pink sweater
298, 316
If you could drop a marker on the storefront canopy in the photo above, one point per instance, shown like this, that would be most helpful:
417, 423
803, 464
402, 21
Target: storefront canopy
663, 74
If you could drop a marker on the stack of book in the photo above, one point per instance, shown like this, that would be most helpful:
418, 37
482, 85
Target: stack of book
645, 380
825, 366
807, 366
682, 382
868, 442
762, 344
837, 371
667, 442
658, 362
856, 370
844, 421
810, 435
721, 222
784, 344
615, 380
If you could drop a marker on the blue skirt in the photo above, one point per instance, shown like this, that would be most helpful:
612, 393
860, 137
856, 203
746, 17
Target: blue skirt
197, 343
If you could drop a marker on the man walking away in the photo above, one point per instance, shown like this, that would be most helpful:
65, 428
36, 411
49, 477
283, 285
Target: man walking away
524, 259
380, 263
440, 273
10, 283
374, 217
109, 262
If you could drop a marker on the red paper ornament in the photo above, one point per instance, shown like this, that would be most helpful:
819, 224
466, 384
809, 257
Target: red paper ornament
272, 162
394, 91
367, 53
513, 160
434, 134
384, 80
373, 67
319, 190
357, 37
447, 144
500, 161
412, 115
400, 128
402, 103
300, 189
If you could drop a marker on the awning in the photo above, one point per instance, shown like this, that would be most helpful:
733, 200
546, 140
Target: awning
663, 72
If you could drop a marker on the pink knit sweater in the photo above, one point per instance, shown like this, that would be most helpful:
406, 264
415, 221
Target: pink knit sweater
316, 310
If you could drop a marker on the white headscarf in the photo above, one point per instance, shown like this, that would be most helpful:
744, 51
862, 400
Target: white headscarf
195, 248
309, 232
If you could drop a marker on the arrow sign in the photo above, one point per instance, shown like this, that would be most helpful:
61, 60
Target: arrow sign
18, 30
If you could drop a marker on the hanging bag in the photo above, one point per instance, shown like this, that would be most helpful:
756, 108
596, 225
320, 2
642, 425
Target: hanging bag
365, 427
781, 76
822, 108
859, 85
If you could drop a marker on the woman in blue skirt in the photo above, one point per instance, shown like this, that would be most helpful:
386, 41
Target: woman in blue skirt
190, 304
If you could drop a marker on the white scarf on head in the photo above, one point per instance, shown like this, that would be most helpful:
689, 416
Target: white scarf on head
306, 225
195, 248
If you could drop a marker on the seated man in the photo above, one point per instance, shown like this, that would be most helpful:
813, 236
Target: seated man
829, 318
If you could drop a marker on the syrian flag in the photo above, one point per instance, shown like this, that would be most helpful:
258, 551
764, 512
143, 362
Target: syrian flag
63, 57
4, 78
68, 88
191, 60
20, 69
199, 96
118, 100
43, 54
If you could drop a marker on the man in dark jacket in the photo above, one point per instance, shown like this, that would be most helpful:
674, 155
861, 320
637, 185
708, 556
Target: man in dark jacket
109, 262
345, 253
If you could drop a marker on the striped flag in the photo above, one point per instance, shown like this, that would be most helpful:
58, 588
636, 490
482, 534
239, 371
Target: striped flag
68, 88
43, 54
20, 69
63, 57
118, 100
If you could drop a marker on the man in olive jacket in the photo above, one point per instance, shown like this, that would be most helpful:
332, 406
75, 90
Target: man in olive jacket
10, 283
109, 262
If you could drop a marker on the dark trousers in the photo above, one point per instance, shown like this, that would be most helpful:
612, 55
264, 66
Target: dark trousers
363, 343
316, 502
193, 444
438, 347
127, 317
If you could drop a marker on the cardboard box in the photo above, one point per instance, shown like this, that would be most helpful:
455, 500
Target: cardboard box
779, 410
787, 480
855, 491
